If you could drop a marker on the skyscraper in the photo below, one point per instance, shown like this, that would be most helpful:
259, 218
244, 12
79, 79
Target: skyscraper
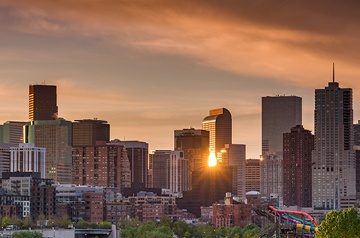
234, 155
87, 132
55, 136
298, 146
42, 102
219, 124
195, 144
279, 115
12, 132
103, 164
252, 175
357, 154
333, 156
138, 153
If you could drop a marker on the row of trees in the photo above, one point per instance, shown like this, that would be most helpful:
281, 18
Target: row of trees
166, 229
345, 223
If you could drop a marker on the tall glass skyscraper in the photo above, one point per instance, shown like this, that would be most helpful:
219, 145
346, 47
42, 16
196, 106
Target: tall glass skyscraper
333, 157
219, 124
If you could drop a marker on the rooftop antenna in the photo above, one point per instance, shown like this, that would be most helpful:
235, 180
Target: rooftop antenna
333, 73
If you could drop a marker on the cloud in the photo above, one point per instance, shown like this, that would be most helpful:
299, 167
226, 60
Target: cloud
287, 40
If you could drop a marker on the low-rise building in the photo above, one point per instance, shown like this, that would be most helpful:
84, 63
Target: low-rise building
230, 213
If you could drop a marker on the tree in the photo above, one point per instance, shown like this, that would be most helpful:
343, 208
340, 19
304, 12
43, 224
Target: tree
345, 223
27, 234
5, 221
181, 229
105, 225
63, 221
82, 224
251, 230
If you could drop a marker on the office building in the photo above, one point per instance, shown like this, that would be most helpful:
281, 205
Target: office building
195, 145
55, 136
28, 158
138, 153
333, 157
298, 146
87, 132
219, 125
279, 115
12, 132
209, 186
170, 170
42, 102
234, 155
252, 176
5, 158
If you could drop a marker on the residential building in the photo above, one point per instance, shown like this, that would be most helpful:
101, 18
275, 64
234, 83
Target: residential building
31, 194
105, 165
80, 202
298, 146
229, 213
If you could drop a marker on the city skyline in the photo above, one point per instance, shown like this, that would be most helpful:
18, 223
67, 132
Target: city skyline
152, 67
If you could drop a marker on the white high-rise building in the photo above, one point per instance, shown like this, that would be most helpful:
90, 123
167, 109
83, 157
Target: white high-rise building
333, 158
28, 158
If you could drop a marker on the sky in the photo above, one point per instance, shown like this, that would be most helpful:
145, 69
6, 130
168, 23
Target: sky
150, 67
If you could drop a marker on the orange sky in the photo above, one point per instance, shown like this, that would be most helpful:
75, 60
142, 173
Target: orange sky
150, 67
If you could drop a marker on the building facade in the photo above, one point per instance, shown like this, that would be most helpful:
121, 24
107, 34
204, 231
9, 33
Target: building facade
230, 213
42, 102
279, 115
28, 158
87, 132
252, 175
138, 153
12, 132
104, 165
56, 137
170, 170
298, 146
219, 125
333, 157
195, 145
235, 156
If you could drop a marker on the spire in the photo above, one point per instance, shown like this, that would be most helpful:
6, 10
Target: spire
333, 73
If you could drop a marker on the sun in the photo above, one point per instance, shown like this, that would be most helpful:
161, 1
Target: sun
212, 160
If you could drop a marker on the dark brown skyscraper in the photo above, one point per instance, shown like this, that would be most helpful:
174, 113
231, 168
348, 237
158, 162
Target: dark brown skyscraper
195, 145
87, 131
42, 102
297, 150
